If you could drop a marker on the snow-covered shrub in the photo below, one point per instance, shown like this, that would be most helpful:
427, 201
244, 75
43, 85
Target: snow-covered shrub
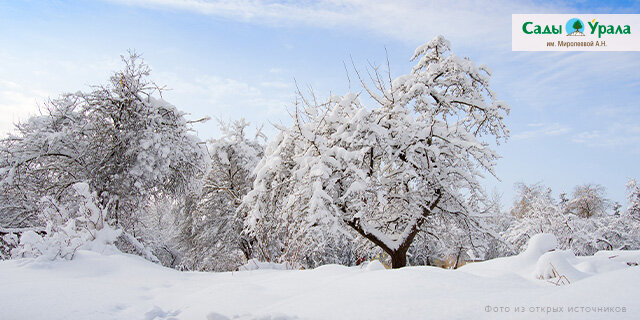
8, 241
69, 227
536, 211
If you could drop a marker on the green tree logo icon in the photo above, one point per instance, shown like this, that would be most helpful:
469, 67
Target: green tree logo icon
575, 27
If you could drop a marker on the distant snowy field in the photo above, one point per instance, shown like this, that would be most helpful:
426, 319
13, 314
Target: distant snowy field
121, 286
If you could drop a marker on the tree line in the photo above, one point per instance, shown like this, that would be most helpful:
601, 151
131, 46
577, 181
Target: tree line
391, 169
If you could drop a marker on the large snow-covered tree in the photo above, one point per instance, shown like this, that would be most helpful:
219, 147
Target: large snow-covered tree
122, 139
383, 171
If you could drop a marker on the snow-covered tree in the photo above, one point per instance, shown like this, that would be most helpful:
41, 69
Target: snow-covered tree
531, 200
443, 240
382, 172
122, 139
43, 158
151, 150
535, 211
211, 236
161, 221
634, 198
588, 200
622, 231
628, 229
496, 245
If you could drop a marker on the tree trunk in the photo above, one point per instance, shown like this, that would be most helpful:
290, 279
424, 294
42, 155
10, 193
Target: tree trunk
398, 259
455, 266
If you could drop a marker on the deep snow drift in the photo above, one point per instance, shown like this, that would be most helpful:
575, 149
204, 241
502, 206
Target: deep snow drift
121, 286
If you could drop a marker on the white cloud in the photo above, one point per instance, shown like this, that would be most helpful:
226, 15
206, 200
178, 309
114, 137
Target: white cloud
617, 135
545, 80
612, 126
537, 130
276, 84
613, 111
407, 20
223, 93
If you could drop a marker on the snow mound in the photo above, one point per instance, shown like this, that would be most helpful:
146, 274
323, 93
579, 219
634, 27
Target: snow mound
541, 261
522, 264
540, 244
375, 265
559, 265
629, 257
565, 267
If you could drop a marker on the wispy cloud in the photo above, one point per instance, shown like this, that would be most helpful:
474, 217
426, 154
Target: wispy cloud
221, 97
613, 136
610, 111
277, 84
612, 126
407, 20
537, 130
551, 79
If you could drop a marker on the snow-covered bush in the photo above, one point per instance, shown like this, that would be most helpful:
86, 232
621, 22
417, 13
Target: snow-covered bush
381, 173
8, 241
75, 225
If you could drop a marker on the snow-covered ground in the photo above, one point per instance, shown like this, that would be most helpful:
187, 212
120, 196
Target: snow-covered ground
121, 286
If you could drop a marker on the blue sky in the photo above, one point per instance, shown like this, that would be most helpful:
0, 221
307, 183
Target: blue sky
575, 117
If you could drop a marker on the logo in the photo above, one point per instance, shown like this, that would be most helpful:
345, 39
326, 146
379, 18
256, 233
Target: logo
575, 27
575, 32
